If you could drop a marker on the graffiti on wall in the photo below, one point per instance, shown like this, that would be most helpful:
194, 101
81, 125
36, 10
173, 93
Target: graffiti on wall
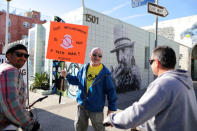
56, 79
71, 68
125, 75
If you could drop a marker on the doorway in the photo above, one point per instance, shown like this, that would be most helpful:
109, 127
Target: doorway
194, 63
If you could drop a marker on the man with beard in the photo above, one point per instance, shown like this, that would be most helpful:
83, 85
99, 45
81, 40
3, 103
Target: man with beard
94, 86
13, 90
169, 103
126, 75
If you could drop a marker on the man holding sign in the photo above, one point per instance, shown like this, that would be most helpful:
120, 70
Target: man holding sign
94, 84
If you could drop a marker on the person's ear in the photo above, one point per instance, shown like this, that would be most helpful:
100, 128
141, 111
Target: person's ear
157, 63
8, 55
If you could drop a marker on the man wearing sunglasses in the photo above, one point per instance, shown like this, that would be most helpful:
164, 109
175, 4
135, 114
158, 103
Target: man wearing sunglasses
169, 103
13, 90
94, 85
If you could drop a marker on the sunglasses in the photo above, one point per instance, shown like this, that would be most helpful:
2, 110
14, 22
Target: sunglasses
95, 55
151, 61
19, 54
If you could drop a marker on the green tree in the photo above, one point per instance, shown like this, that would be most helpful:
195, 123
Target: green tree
41, 81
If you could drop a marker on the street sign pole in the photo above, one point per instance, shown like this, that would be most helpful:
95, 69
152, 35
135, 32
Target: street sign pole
158, 11
7, 21
156, 28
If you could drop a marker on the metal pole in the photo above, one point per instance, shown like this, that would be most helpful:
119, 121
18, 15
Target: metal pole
156, 28
83, 5
7, 21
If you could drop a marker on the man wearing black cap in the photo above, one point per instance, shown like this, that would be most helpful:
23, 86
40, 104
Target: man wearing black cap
12, 90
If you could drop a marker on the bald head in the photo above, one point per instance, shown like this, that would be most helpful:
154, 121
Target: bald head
95, 56
96, 49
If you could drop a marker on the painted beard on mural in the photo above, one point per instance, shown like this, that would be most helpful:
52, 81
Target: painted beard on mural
126, 76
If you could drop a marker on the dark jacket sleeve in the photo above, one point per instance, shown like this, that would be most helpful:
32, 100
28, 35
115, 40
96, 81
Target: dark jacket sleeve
111, 93
74, 80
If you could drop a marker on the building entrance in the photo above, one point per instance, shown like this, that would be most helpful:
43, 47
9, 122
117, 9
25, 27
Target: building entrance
194, 63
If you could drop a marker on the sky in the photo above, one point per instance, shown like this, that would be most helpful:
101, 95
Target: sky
119, 9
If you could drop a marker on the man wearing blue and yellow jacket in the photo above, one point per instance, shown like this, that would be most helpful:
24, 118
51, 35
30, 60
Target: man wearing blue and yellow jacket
94, 84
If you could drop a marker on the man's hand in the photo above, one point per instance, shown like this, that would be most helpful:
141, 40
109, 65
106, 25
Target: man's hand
106, 122
63, 73
109, 112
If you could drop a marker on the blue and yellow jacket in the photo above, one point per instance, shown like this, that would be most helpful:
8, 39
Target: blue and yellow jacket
101, 88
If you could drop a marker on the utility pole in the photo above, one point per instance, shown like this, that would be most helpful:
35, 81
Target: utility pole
7, 21
83, 5
156, 26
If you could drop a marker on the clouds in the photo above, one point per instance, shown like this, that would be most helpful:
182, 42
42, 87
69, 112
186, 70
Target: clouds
116, 8
133, 16
120, 6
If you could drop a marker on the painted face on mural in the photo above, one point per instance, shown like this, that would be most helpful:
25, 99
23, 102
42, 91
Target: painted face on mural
96, 56
125, 56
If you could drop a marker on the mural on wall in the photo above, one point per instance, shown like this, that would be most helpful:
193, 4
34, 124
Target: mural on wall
125, 75
191, 33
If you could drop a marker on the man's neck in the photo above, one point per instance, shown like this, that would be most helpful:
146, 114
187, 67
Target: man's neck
161, 71
94, 64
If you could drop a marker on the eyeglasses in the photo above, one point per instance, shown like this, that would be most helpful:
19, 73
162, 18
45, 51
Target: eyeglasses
151, 61
95, 55
19, 54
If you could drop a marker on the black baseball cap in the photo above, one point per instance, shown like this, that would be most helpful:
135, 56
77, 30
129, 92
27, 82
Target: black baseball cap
14, 46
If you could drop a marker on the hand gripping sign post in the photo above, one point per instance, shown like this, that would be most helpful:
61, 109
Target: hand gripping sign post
67, 42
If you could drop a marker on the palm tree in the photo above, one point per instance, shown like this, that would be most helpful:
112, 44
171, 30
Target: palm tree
41, 81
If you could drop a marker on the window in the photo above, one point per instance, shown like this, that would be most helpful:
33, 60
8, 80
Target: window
147, 57
9, 23
26, 24
33, 25
24, 36
9, 37
35, 16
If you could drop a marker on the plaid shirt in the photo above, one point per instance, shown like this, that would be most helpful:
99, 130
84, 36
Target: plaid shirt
13, 98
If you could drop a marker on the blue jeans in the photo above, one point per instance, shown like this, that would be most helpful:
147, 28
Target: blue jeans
81, 123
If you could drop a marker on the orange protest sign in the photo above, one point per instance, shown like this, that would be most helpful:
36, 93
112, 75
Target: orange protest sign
67, 42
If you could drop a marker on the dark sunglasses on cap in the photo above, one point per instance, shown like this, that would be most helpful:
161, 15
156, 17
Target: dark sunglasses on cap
19, 54
151, 61
95, 55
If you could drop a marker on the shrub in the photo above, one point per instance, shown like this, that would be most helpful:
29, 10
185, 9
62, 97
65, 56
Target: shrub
41, 81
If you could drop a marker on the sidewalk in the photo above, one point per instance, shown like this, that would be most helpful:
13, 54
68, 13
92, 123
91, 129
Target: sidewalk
60, 117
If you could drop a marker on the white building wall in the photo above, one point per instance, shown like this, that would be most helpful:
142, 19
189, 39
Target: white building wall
31, 50
39, 49
172, 29
101, 35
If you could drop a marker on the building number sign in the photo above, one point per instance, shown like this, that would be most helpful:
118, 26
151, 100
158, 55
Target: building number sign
92, 19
